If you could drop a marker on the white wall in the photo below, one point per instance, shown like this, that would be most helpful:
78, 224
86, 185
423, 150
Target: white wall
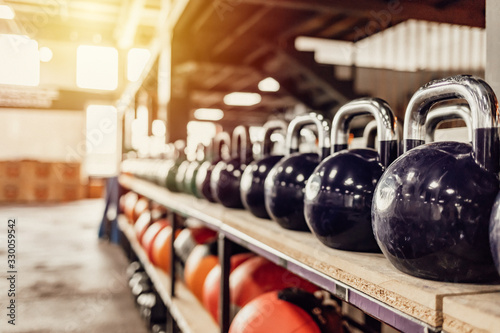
42, 135
493, 45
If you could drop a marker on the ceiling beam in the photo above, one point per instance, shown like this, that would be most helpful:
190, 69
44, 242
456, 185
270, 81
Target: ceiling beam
240, 30
467, 12
128, 22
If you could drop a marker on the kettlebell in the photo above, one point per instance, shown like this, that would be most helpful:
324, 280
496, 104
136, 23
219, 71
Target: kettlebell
337, 203
226, 176
160, 251
290, 310
221, 141
186, 241
180, 156
198, 264
431, 208
192, 170
495, 233
142, 224
211, 286
150, 235
252, 180
128, 202
285, 184
256, 276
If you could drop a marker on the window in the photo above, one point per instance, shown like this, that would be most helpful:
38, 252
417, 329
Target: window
97, 67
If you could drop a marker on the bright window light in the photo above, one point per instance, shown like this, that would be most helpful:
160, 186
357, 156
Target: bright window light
269, 84
158, 128
208, 114
199, 132
45, 54
101, 140
136, 61
97, 67
140, 127
242, 99
19, 60
6, 12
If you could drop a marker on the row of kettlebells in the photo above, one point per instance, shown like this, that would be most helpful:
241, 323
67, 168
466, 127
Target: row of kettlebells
426, 206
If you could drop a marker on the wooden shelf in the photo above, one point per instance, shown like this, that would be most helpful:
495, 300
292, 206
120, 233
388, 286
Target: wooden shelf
189, 314
472, 313
367, 281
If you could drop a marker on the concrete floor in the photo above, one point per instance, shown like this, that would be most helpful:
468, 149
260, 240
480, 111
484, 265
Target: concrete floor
68, 280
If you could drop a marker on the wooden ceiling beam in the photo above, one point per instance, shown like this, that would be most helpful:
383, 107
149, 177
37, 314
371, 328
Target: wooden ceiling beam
240, 30
467, 12
128, 23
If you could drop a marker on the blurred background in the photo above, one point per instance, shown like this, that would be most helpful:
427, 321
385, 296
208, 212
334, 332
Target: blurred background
83, 83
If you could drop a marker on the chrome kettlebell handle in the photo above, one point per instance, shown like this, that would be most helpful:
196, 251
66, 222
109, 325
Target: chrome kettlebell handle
240, 143
220, 140
293, 133
384, 118
444, 113
271, 127
483, 105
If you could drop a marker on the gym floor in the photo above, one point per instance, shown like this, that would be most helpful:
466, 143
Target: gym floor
67, 279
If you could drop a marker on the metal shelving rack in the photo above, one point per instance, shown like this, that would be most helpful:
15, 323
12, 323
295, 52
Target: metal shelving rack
366, 281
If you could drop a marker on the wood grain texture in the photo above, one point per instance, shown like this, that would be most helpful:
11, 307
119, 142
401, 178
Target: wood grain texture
478, 313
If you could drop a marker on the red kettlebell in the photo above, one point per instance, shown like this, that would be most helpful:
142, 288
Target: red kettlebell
160, 252
198, 264
258, 275
140, 206
150, 235
211, 287
142, 224
291, 310
129, 204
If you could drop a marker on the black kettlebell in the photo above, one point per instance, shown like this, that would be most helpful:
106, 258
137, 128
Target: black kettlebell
226, 176
252, 180
495, 233
221, 141
337, 203
432, 206
284, 185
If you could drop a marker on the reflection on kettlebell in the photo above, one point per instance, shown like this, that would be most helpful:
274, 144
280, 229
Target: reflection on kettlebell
432, 206
338, 199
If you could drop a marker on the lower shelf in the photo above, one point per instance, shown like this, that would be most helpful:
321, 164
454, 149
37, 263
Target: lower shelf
189, 314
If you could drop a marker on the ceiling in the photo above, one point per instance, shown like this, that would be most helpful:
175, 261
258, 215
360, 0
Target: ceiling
112, 22
224, 46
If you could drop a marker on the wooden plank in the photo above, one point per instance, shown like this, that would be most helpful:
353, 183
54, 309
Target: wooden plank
472, 313
188, 312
